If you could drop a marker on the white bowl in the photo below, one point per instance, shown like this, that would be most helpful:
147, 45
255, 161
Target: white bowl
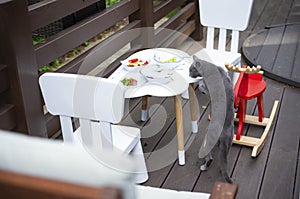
157, 73
167, 59
129, 65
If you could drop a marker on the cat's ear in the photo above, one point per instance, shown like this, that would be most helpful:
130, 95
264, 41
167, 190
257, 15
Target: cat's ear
195, 58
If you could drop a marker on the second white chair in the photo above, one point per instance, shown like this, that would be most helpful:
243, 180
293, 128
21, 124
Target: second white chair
98, 103
230, 16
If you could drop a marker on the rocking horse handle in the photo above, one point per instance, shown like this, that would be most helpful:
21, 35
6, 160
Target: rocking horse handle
247, 70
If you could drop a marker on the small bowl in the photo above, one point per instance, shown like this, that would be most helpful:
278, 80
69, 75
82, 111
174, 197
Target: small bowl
157, 74
133, 63
167, 59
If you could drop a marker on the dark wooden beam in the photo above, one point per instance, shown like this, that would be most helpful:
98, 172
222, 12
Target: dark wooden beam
18, 54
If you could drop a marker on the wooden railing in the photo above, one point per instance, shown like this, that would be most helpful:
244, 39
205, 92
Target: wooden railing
20, 99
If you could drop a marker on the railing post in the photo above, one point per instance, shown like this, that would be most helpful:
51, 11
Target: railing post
17, 52
198, 33
145, 14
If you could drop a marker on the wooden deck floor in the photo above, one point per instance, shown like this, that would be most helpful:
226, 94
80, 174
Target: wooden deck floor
273, 174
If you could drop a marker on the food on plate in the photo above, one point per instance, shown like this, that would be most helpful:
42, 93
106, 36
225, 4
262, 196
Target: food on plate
172, 59
129, 81
136, 62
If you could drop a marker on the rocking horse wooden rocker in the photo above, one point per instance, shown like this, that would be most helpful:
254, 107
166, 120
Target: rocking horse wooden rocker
248, 86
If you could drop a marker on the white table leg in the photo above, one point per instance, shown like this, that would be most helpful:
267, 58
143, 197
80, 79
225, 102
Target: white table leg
179, 127
144, 108
193, 109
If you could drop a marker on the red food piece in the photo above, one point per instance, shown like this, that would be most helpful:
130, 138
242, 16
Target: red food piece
133, 60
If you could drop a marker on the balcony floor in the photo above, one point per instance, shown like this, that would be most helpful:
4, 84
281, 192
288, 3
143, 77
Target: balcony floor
273, 174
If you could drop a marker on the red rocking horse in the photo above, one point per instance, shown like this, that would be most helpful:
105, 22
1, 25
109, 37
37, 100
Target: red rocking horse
250, 85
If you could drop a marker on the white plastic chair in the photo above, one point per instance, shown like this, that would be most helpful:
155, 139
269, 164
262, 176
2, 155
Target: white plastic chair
228, 16
98, 103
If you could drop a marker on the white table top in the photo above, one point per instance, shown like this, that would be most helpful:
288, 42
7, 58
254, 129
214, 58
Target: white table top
178, 84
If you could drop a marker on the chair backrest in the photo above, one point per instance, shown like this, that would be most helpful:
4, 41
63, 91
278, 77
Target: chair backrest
80, 96
224, 14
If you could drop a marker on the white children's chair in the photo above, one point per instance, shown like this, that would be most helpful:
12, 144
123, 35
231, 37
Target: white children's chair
98, 103
230, 16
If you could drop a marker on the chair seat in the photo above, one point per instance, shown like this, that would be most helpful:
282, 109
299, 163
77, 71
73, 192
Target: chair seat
218, 57
124, 137
251, 88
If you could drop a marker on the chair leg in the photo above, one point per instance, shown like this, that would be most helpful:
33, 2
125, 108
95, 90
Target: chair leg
260, 104
241, 116
141, 174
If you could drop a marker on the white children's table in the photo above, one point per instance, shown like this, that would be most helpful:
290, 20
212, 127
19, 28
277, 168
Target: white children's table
176, 87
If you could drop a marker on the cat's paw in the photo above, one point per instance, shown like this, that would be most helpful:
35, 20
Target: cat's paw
205, 166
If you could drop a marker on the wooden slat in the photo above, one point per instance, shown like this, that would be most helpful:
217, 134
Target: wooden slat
246, 141
45, 12
180, 17
53, 124
4, 81
297, 180
295, 74
251, 119
93, 57
8, 117
164, 8
176, 38
284, 151
282, 13
70, 38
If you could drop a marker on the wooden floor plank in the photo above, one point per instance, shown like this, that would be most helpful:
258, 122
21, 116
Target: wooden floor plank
281, 12
208, 178
297, 180
184, 177
256, 13
282, 161
248, 171
295, 74
284, 61
164, 150
270, 47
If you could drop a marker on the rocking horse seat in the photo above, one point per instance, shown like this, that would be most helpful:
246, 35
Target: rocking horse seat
252, 87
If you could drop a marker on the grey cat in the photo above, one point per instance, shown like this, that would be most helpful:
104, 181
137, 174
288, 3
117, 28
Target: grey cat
221, 127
